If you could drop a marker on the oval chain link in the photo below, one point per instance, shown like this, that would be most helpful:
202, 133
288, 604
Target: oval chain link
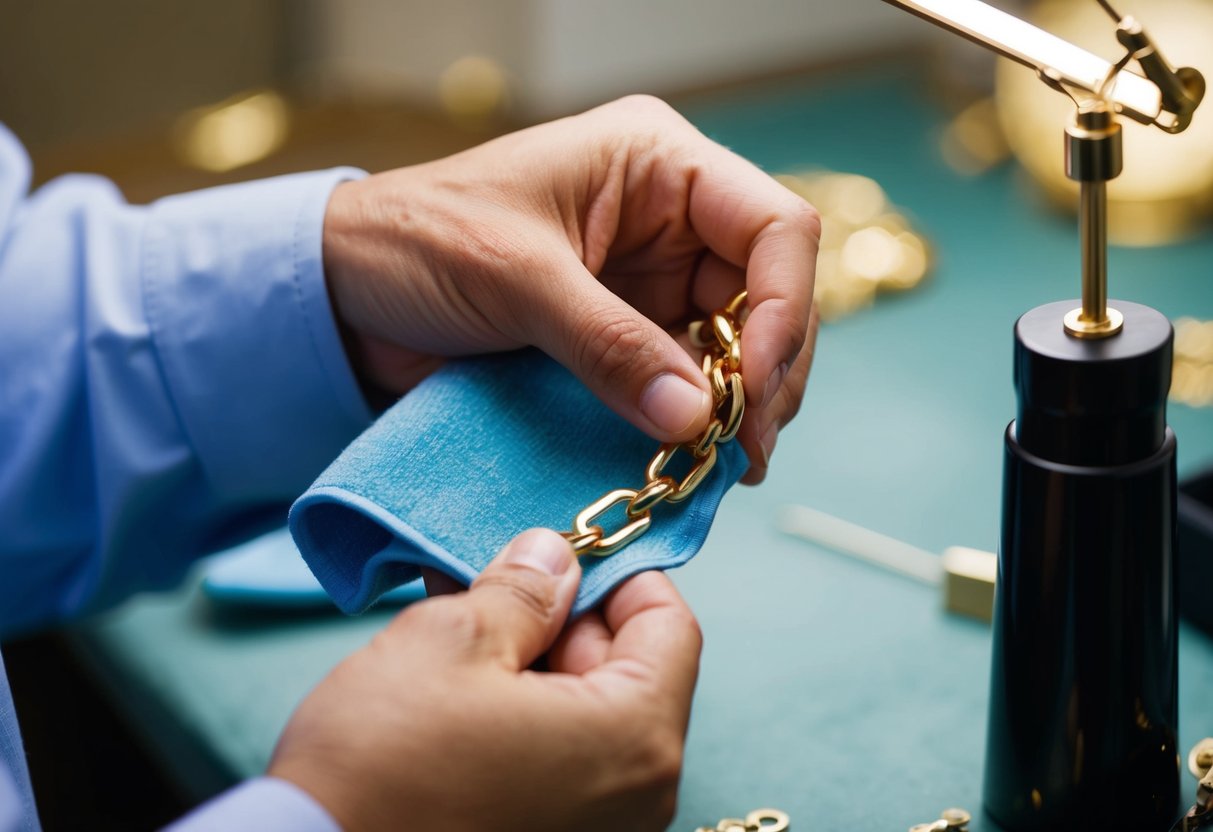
719, 336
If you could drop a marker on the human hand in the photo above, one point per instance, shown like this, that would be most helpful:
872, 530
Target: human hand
439, 724
588, 237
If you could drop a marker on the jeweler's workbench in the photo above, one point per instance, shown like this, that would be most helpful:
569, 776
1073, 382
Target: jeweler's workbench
839, 693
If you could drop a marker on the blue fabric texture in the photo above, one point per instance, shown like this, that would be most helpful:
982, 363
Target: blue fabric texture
263, 804
477, 453
17, 812
268, 573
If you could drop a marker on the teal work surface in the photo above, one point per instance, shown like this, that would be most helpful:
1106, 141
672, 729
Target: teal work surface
838, 693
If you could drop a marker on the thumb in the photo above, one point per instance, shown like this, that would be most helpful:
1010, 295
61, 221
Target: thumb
630, 363
524, 596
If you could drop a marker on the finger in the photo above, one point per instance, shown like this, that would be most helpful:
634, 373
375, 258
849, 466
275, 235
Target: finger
629, 362
752, 221
439, 583
582, 646
716, 282
760, 436
522, 599
656, 633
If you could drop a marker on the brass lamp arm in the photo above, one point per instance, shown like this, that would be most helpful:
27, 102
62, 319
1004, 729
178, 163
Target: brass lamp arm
1166, 98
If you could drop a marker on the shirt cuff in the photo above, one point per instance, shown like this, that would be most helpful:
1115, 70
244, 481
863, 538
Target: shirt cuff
234, 291
264, 804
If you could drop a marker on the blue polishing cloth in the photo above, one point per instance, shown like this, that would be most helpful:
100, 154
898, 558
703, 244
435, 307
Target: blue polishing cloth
267, 572
480, 451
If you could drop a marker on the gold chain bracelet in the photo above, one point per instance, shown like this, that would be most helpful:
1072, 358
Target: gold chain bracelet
719, 336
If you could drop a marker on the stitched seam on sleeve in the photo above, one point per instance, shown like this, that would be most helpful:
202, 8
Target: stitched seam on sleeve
323, 367
150, 279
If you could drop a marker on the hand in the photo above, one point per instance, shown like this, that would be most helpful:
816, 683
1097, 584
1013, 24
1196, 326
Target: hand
439, 724
586, 237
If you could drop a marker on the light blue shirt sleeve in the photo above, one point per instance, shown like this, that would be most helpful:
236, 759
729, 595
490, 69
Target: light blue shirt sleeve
171, 376
265, 804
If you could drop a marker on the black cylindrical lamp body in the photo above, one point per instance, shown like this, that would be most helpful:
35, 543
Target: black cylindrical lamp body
1083, 697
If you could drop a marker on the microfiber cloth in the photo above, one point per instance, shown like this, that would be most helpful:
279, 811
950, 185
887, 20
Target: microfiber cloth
482, 450
267, 572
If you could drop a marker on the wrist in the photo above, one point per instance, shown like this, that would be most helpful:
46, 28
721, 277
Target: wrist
343, 221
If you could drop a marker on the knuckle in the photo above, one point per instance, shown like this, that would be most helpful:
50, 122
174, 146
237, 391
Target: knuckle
808, 218
803, 216
445, 620
645, 104
613, 350
694, 630
663, 757
784, 316
524, 587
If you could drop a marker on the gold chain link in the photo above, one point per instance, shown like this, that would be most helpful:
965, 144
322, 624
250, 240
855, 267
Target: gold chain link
719, 336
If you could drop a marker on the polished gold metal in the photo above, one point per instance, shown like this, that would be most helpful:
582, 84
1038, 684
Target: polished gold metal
759, 820
950, 820
719, 336
699, 469
1166, 191
769, 820
1192, 372
1093, 156
1200, 758
734, 398
710, 437
609, 544
582, 541
956, 818
652, 494
1165, 97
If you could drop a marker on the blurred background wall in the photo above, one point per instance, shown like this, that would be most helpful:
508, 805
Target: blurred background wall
99, 84
75, 69
562, 55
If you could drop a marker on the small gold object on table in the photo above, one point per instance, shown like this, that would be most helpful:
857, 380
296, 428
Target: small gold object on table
867, 245
1192, 372
759, 820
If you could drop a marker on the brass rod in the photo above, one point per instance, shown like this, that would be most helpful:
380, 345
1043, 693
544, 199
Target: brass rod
1093, 230
1048, 54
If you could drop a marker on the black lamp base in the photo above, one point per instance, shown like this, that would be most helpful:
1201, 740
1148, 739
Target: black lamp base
1083, 699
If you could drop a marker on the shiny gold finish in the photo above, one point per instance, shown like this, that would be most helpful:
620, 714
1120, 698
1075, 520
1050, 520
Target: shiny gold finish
1200, 816
1200, 758
1093, 156
720, 338
1166, 190
1079, 326
652, 494
734, 399
760, 820
608, 544
699, 469
1166, 97
1192, 372
1035, 48
950, 820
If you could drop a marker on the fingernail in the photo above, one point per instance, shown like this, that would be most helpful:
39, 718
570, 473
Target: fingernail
542, 550
672, 403
774, 383
767, 443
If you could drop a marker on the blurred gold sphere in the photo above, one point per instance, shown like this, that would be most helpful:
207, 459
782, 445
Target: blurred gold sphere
1166, 188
